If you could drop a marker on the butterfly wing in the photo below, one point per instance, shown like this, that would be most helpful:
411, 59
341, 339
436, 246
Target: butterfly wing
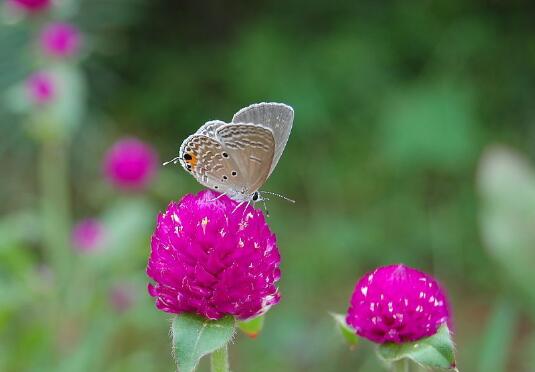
209, 128
205, 159
251, 147
276, 116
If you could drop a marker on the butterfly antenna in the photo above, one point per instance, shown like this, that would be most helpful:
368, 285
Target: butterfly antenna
174, 161
265, 206
279, 195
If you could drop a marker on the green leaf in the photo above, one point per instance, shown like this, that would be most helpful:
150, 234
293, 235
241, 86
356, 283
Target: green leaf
252, 327
436, 351
349, 333
194, 337
498, 337
506, 185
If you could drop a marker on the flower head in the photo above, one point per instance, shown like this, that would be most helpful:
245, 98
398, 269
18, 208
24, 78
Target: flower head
59, 40
208, 259
87, 235
397, 304
130, 164
30, 5
40, 88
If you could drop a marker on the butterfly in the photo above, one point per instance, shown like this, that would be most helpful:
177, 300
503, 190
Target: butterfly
237, 158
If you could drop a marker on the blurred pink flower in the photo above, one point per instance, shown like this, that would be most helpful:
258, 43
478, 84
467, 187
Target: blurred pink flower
60, 40
130, 164
40, 87
122, 297
30, 5
208, 259
88, 235
397, 304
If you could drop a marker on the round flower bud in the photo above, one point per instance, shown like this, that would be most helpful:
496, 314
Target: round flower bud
88, 235
30, 6
397, 304
210, 259
130, 164
59, 40
40, 88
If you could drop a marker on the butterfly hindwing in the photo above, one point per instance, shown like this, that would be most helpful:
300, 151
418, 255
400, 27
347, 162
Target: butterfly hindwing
251, 147
206, 159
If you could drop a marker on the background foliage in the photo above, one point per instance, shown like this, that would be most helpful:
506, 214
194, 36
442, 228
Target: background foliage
395, 104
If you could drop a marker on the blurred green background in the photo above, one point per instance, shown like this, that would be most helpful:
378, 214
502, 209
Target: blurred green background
395, 104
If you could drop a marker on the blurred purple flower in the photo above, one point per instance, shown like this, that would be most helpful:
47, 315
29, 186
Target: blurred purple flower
122, 297
60, 40
40, 88
88, 235
397, 304
205, 259
30, 5
130, 164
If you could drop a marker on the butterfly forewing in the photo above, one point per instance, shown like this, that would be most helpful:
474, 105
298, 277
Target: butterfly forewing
251, 147
276, 116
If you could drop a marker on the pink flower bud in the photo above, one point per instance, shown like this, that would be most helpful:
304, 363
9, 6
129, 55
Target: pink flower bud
87, 235
40, 88
30, 6
59, 40
130, 164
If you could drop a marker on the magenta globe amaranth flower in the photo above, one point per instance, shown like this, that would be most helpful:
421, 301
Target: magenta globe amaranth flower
208, 259
88, 235
397, 304
59, 40
40, 88
30, 6
130, 164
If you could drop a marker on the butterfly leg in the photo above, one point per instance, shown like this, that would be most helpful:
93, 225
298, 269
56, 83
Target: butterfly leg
220, 196
265, 206
239, 205
244, 209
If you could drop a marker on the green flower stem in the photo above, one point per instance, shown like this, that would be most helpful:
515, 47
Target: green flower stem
55, 224
401, 365
55, 206
219, 360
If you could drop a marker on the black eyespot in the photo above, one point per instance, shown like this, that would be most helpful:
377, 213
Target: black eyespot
225, 155
225, 177
216, 187
187, 156
255, 196
234, 173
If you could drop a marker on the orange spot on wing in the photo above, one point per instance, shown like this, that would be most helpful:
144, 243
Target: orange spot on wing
192, 161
